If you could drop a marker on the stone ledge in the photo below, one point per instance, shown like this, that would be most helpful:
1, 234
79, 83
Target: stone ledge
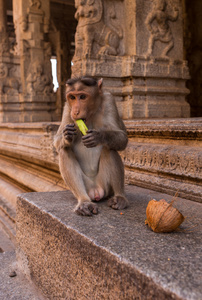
184, 129
109, 256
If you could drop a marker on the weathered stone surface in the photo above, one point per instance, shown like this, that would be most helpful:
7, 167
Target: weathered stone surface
17, 287
165, 156
143, 87
28, 162
30, 141
108, 256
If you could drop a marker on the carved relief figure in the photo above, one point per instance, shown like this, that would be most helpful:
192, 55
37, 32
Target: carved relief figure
8, 85
4, 46
38, 82
157, 23
92, 29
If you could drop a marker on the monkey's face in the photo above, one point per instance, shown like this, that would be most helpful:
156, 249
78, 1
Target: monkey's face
82, 101
79, 104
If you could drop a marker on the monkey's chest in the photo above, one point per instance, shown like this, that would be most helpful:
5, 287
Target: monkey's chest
88, 158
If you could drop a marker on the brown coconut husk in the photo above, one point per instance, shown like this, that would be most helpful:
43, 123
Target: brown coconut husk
162, 216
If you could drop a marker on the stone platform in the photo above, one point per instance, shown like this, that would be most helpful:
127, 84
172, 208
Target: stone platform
112, 255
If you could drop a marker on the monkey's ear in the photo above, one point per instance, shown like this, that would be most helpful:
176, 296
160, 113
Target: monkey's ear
99, 83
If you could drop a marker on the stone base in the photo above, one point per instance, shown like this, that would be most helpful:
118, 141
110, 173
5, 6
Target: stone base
17, 108
143, 87
112, 255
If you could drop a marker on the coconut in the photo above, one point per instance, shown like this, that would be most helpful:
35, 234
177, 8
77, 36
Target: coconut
162, 216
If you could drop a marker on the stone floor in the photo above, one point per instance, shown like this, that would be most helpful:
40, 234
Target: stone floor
17, 287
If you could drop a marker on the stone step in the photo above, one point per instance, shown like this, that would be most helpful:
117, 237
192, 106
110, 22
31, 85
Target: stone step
8, 226
31, 177
112, 255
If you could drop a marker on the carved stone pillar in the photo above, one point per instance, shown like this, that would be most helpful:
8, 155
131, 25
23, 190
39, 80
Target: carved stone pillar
9, 71
31, 20
137, 47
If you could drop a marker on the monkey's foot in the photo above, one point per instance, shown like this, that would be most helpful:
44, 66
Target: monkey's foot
86, 209
118, 202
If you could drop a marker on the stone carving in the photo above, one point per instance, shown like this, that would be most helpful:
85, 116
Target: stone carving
165, 159
92, 29
8, 85
24, 23
37, 81
157, 23
26, 47
4, 46
3, 71
35, 3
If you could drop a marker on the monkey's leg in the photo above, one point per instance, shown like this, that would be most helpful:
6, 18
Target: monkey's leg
111, 178
74, 178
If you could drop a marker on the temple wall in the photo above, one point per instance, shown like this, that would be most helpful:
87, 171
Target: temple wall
138, 47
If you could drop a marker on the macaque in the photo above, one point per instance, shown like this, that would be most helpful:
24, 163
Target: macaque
90, 164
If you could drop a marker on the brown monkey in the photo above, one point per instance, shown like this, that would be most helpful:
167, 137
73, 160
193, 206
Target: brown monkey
90, 164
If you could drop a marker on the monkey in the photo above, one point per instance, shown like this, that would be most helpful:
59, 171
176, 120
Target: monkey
90, 164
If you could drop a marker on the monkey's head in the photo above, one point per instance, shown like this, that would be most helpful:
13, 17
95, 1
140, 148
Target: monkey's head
83, 96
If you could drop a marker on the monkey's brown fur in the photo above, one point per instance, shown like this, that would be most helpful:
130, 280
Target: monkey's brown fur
90, 164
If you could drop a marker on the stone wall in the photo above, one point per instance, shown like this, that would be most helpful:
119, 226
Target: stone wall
137, 46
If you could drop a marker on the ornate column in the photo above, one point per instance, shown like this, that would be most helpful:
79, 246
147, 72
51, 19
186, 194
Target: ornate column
137, 47
31, 20
9, 72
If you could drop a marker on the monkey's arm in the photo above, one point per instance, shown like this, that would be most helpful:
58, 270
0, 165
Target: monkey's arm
112, 132
62, 138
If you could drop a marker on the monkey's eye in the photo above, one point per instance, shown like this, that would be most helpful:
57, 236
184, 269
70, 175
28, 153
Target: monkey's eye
83, 97
72, 97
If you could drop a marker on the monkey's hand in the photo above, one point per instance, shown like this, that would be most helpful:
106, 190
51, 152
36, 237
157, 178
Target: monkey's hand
92, 138
86, 209
69, 132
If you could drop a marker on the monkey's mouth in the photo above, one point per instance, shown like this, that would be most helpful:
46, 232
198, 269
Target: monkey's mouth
83, 119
